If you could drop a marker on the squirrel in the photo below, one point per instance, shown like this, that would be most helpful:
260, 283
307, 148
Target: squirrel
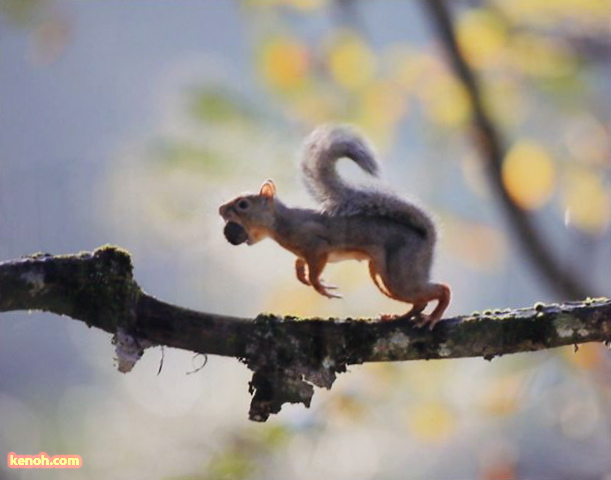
396, 237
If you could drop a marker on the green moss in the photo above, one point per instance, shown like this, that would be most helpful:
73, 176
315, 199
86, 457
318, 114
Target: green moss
38, 255
539, 306
96, 287
107, 291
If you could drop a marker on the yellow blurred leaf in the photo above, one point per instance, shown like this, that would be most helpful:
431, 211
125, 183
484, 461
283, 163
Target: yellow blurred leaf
351, 61
538, 56
477, 245
585, 14
587, 201
316, 106
588, 356
285, 62
230, 465
481, 36
409, 67
382, 378
502, 396
505, 100
271, 436
431, 421
306, 5
589, 140
347, 406
446, 101
431, 377
293, 298
381, 105
529, 175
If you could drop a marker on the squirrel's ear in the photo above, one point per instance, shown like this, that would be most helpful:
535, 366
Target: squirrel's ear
268, 189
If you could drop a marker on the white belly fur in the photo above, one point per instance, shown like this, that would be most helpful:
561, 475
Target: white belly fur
346, 255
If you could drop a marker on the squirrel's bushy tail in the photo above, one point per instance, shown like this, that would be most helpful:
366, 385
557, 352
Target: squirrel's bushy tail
323, 148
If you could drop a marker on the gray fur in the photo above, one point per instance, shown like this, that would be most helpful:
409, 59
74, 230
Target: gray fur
323, 148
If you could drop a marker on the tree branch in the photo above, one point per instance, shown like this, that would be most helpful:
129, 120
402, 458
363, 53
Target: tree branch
288, 355
492, 148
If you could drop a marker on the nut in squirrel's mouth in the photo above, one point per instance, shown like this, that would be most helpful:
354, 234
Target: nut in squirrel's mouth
235, 233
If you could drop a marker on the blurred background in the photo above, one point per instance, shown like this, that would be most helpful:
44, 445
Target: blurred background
131, 122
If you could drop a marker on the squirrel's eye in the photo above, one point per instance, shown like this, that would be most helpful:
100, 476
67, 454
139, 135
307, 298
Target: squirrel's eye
243, 205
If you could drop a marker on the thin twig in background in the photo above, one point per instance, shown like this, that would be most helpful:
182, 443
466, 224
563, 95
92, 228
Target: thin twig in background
566, 282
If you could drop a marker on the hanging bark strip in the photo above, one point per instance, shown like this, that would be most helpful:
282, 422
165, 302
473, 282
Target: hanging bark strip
288, 355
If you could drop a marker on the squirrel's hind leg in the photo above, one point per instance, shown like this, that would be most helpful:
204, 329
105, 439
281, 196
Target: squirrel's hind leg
377, 280
416, 309
300, 270
404, 272
405, 286
431, 292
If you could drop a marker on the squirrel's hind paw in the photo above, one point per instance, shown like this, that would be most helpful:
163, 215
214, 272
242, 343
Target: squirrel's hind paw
421, 320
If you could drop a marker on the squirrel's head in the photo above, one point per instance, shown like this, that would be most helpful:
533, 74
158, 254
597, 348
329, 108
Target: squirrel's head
250, 217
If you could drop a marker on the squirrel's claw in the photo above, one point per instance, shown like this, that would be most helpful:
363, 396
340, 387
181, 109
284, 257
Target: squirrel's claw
333, 295
421, 320
326, 287
323, 289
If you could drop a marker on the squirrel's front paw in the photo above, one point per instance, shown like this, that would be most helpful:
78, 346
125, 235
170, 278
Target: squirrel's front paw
330, 295
324, 288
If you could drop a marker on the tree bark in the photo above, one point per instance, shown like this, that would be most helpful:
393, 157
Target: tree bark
288, 355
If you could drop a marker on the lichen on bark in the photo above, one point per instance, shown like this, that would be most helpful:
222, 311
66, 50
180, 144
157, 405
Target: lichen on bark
288, 356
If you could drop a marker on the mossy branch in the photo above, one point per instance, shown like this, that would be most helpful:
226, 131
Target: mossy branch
288, 355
